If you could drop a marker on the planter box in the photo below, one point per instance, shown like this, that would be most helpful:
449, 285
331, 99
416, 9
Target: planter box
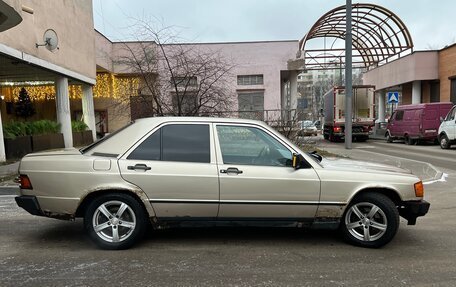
82, 138
47, 141
18, 147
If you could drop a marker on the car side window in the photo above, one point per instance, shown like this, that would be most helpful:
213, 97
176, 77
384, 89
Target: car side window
399, 115
149, 149
189, 143
176, 142
251, 146
451, 115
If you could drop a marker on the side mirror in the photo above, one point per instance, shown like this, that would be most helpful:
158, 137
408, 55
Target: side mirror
298, 162
441, 119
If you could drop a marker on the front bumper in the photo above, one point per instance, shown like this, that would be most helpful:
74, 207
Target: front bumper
411, 210
30, 204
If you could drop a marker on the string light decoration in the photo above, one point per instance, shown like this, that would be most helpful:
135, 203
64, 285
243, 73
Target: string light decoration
107, 86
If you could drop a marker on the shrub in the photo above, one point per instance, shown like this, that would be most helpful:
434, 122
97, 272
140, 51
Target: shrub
15, 129
42, 127
78, 126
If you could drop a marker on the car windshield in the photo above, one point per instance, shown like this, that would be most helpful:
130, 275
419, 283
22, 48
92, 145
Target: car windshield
307, 124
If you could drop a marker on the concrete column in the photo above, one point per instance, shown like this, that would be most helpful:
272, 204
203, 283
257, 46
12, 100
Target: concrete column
416, 92
293, 89
381, 105
283, 94
62, 102
88, 109
2, 143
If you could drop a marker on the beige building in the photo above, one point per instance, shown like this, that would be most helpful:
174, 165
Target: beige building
50, 44
421, 77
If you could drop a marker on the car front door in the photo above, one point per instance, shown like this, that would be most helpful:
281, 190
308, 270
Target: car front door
257, 180
450, 123
175, 166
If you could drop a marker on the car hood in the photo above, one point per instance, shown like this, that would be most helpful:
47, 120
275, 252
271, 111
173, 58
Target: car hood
66, 151
357, 166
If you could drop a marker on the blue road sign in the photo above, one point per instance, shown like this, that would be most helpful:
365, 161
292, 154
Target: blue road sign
393, 97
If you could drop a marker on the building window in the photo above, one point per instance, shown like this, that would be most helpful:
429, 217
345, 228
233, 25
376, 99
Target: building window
184, 103
251, 105
250, 80
185, 81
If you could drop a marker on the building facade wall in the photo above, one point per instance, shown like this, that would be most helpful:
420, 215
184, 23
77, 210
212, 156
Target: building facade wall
413, 67
268, 59
447, 69
73, 23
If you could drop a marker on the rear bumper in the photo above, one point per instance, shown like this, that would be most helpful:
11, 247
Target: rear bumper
30, 204
411, 210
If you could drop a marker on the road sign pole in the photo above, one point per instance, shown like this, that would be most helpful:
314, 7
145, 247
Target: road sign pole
348, 76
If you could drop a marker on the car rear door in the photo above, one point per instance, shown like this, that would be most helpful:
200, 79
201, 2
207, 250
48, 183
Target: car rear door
257, 181
175, 166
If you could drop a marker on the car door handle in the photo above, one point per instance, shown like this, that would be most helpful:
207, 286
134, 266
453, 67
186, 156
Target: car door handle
231, 170
139, 167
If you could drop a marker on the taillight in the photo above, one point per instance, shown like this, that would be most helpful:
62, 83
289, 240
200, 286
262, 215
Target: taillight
25, 182
337, 129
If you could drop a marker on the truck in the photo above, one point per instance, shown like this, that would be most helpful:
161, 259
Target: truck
363, 113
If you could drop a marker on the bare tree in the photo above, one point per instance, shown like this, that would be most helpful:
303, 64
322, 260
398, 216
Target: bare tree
175, 79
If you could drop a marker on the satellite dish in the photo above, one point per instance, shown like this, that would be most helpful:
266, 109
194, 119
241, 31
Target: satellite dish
50, 39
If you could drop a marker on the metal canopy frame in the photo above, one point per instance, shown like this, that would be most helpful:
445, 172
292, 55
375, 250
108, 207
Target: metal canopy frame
378, 36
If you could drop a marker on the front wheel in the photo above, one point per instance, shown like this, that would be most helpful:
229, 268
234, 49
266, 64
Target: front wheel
389, 138
444, 142
371, 220
115, 221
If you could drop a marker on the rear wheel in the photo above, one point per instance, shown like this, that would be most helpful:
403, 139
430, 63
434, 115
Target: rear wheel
115, 221
444, 142
371, 220
408, 140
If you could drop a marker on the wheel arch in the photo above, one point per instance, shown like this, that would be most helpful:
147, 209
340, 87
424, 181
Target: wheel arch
386, 191
138, 195
442, 133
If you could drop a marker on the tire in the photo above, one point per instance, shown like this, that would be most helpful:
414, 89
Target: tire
408, 140
444, 142
129, 225
389, 138
360, 228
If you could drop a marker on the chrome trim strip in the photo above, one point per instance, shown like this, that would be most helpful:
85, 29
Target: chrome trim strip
266, 202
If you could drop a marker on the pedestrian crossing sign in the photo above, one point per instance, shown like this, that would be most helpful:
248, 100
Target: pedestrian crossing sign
393, 97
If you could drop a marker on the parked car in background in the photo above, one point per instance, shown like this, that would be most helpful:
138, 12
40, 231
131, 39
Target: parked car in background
447, 130
419, 122
307, 128
172, 171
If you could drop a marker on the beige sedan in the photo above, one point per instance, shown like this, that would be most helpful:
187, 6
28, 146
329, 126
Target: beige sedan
200, 171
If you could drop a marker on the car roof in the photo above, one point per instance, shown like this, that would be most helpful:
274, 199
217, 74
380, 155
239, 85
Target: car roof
122, 140
155, 120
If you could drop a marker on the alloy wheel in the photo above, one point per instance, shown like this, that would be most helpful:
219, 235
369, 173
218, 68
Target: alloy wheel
114, 221
366, 221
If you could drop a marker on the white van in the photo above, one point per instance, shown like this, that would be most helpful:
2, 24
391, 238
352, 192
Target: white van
447, 130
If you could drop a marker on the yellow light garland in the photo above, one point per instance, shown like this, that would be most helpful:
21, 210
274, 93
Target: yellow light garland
107, 86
